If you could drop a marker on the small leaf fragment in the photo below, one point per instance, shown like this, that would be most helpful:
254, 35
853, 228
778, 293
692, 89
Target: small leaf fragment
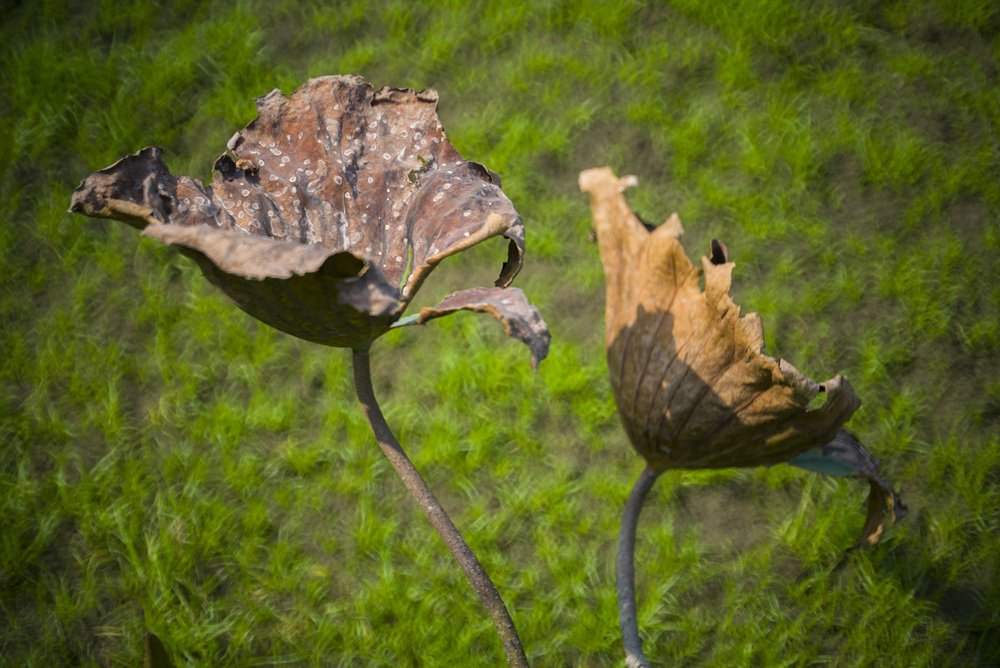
845, 456
520, 318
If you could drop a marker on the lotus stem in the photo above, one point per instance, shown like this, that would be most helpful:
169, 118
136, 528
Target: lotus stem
440, 520
625, 570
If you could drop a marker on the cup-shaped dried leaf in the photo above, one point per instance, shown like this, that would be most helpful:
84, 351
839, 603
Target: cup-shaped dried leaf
327, 212
693, 386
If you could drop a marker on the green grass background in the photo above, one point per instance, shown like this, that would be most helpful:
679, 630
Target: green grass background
167, 463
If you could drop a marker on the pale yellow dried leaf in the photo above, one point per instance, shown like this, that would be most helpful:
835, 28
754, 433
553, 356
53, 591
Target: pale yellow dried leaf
693, 385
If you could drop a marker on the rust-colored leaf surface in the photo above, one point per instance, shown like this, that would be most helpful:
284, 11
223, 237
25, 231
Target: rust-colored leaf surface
327, 212
693, 385
520, 318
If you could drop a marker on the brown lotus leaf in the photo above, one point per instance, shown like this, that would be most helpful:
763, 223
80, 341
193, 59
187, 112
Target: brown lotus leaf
693, 386
326, 214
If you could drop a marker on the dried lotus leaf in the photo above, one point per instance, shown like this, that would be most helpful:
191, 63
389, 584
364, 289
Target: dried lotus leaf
327, 212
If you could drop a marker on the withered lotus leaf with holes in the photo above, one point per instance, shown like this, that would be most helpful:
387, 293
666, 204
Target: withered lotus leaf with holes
328, 212
693, 386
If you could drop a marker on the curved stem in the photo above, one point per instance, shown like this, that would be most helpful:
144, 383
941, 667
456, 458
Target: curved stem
422, 494
625, 570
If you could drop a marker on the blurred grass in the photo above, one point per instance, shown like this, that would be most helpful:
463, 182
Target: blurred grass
168, 464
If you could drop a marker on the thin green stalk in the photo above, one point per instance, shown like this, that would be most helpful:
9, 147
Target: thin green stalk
422, 494
625, 570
